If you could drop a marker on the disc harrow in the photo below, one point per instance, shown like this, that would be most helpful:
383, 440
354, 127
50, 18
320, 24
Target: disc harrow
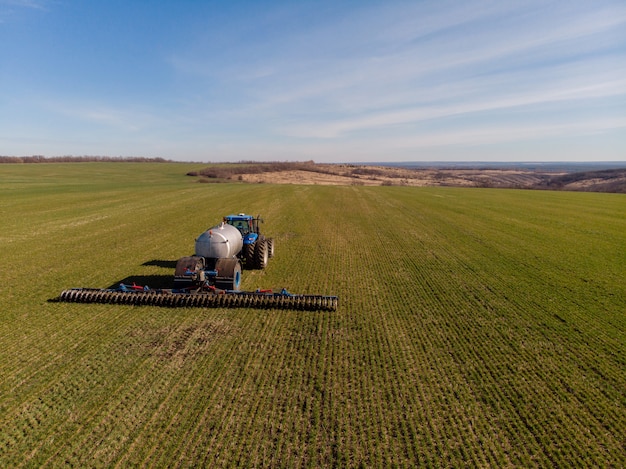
201, 299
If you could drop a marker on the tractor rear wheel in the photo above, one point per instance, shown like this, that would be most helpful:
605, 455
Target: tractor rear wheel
248, 255
261, 254
270, 247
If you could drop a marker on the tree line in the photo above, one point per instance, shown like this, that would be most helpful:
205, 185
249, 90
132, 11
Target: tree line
79, 159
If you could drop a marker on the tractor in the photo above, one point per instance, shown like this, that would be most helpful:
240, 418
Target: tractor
220, 252
257, 249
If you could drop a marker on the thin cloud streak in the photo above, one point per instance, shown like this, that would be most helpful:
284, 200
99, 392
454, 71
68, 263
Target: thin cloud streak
38, 5
510, 134
559, 92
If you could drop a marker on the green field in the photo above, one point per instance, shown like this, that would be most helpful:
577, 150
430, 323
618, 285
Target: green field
476, 327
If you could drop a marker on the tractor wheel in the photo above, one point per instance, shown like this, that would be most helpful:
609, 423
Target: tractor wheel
270, 247
261, 254
248, 255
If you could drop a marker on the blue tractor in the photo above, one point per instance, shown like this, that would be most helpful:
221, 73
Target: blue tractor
220, 252
257, 249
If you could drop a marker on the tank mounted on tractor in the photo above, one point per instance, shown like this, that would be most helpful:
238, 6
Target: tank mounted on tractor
212, 276
220, 251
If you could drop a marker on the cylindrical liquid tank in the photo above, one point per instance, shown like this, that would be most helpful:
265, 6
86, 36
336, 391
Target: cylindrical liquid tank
223, 240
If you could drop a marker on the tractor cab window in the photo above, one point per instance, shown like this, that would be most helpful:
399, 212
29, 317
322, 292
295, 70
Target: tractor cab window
241, 225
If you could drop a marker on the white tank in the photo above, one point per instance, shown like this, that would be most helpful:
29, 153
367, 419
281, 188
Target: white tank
223, 240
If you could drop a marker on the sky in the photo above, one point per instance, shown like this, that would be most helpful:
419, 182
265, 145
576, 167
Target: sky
325, 80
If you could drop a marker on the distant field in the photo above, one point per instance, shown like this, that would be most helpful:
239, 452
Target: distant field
476, 327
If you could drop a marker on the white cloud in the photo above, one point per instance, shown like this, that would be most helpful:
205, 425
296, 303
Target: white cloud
34, 4
95, 114
554, 93
402, 80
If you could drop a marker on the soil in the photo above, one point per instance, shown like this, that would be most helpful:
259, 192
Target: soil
386, 176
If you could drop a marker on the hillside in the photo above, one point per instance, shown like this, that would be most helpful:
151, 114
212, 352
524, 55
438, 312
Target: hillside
608, 180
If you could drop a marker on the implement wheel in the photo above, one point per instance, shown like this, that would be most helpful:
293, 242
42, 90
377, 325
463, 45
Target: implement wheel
228, 273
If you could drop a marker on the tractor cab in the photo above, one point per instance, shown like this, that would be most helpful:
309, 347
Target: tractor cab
247, 225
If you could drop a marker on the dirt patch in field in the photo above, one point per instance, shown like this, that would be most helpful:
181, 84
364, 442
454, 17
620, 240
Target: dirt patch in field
383, 176
303, 177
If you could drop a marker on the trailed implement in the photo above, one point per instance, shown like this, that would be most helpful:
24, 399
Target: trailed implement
211, 298
211, 277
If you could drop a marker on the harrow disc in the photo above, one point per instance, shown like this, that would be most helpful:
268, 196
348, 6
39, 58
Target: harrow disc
201, 300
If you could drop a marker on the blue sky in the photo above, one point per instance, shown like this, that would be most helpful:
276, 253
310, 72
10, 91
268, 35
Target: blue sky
331, 81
